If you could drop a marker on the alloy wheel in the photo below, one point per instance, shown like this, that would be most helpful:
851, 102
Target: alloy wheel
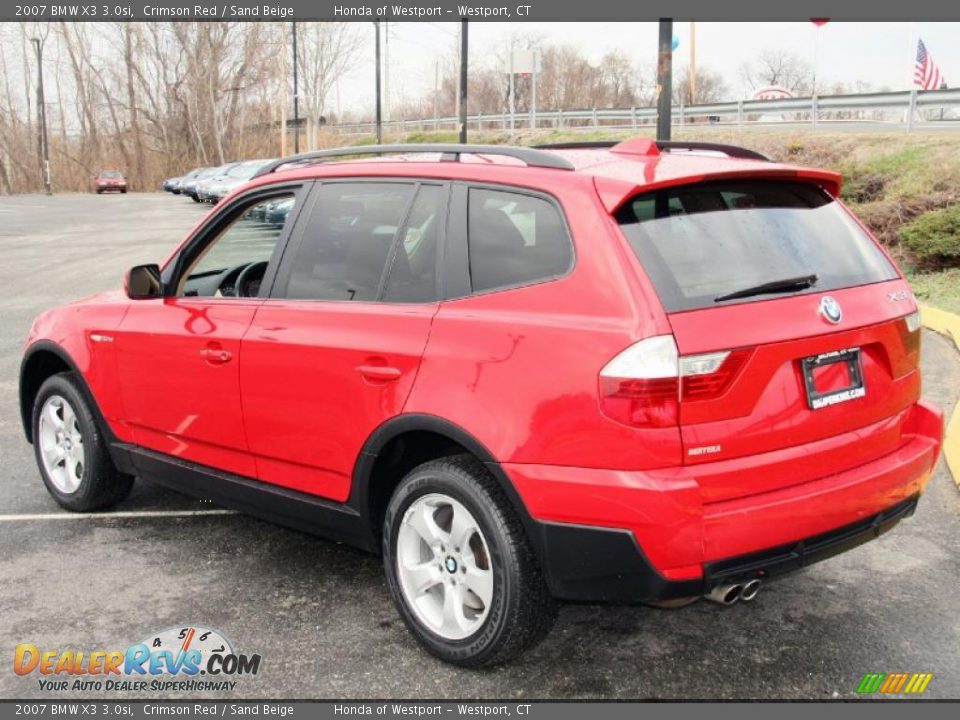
444, 566
61, 444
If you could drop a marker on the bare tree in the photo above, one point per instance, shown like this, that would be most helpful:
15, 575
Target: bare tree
325, 52
775, 66
710, 88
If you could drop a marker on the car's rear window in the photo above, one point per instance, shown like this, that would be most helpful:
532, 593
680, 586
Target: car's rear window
705, 241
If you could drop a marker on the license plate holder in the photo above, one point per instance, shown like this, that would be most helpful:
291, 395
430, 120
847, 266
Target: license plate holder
818, 399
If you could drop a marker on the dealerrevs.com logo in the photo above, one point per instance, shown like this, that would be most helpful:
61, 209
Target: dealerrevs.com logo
181, 659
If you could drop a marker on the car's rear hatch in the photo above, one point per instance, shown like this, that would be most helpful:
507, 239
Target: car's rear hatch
826, 353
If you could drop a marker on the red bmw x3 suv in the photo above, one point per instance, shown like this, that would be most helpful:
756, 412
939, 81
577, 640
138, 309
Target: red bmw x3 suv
637, 372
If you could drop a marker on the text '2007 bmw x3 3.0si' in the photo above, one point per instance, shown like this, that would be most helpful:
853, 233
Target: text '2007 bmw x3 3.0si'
633, 372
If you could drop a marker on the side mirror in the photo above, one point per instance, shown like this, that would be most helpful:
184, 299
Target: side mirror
142, 282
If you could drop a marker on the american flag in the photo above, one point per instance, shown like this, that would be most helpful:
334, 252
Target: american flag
926, 74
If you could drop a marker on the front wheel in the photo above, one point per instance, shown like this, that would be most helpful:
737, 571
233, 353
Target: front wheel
71, 450
460, 568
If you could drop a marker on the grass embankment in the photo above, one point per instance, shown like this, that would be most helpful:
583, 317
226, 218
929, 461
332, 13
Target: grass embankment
905, 187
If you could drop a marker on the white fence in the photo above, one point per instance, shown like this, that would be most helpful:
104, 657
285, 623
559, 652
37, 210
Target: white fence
908, 109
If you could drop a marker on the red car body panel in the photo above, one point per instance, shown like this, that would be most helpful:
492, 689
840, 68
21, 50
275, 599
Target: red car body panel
355, 364
71, 328
517, 369
766, 407
179, 397
679, 530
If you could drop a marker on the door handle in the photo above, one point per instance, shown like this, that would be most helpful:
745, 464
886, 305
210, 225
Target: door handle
215, 355
380, 373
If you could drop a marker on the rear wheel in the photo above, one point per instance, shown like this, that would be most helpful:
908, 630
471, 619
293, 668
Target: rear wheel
459, 566
71, 450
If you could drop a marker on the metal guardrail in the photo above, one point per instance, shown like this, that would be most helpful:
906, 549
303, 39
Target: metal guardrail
896, 109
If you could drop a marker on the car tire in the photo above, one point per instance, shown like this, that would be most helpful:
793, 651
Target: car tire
498, 604
71, 450
124, 192
196, 198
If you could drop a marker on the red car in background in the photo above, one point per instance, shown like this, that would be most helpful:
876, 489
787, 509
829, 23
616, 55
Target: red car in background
635, 372
110, 181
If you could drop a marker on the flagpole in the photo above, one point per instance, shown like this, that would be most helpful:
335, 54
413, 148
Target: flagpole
911, 52
911, 88
816, 52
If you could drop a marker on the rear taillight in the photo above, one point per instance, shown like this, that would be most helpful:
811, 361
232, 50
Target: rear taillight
706, 377
644, 385
911, 335
640, 386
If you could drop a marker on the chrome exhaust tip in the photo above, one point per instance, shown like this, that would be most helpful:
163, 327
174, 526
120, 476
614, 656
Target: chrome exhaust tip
725, 594
750, 590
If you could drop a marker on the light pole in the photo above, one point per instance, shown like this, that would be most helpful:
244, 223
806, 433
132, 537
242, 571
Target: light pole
376, 28
693, 62
43, 149
664, 79
296, 96
463, 82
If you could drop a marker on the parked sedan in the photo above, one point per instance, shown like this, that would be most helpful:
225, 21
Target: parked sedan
176, 184
205, 185
216, 189
109, 181
189, 187
275, 213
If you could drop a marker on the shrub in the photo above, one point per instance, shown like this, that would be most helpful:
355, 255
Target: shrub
934, 238
863, 187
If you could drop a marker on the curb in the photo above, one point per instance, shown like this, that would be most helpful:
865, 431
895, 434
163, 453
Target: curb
948, 324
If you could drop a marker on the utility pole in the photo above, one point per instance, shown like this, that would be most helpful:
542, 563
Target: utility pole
512, 92
456, 110
533, 89
376, 27
693, 62
664, 79
43, 149
296, 95
386, 71
463, 81
283, 94
436, 91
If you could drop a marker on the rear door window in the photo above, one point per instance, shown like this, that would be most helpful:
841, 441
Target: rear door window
699, 243
514, 239
367, 242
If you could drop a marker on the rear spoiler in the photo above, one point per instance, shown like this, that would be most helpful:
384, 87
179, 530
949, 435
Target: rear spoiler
615, 192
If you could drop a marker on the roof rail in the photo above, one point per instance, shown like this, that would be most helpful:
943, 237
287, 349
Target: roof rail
581, 145
450, 152
732, 151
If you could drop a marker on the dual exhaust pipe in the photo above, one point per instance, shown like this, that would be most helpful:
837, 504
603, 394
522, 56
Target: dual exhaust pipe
729, 594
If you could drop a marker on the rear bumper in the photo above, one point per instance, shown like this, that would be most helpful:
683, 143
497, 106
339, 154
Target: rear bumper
634, 536
602, 565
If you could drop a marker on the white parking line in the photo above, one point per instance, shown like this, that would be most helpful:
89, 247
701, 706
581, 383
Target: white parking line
129, 514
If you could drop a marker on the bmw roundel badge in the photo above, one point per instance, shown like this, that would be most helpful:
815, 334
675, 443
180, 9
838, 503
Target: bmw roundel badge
830, 309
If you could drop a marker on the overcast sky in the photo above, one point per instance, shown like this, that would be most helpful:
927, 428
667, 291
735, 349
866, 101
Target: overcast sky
878, 53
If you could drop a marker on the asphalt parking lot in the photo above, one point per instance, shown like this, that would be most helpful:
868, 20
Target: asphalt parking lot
319, 614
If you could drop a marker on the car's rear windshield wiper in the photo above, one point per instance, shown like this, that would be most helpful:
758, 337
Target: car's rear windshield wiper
775, 286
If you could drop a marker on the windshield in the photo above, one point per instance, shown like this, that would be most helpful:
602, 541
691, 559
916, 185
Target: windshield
706, 244
113, 174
